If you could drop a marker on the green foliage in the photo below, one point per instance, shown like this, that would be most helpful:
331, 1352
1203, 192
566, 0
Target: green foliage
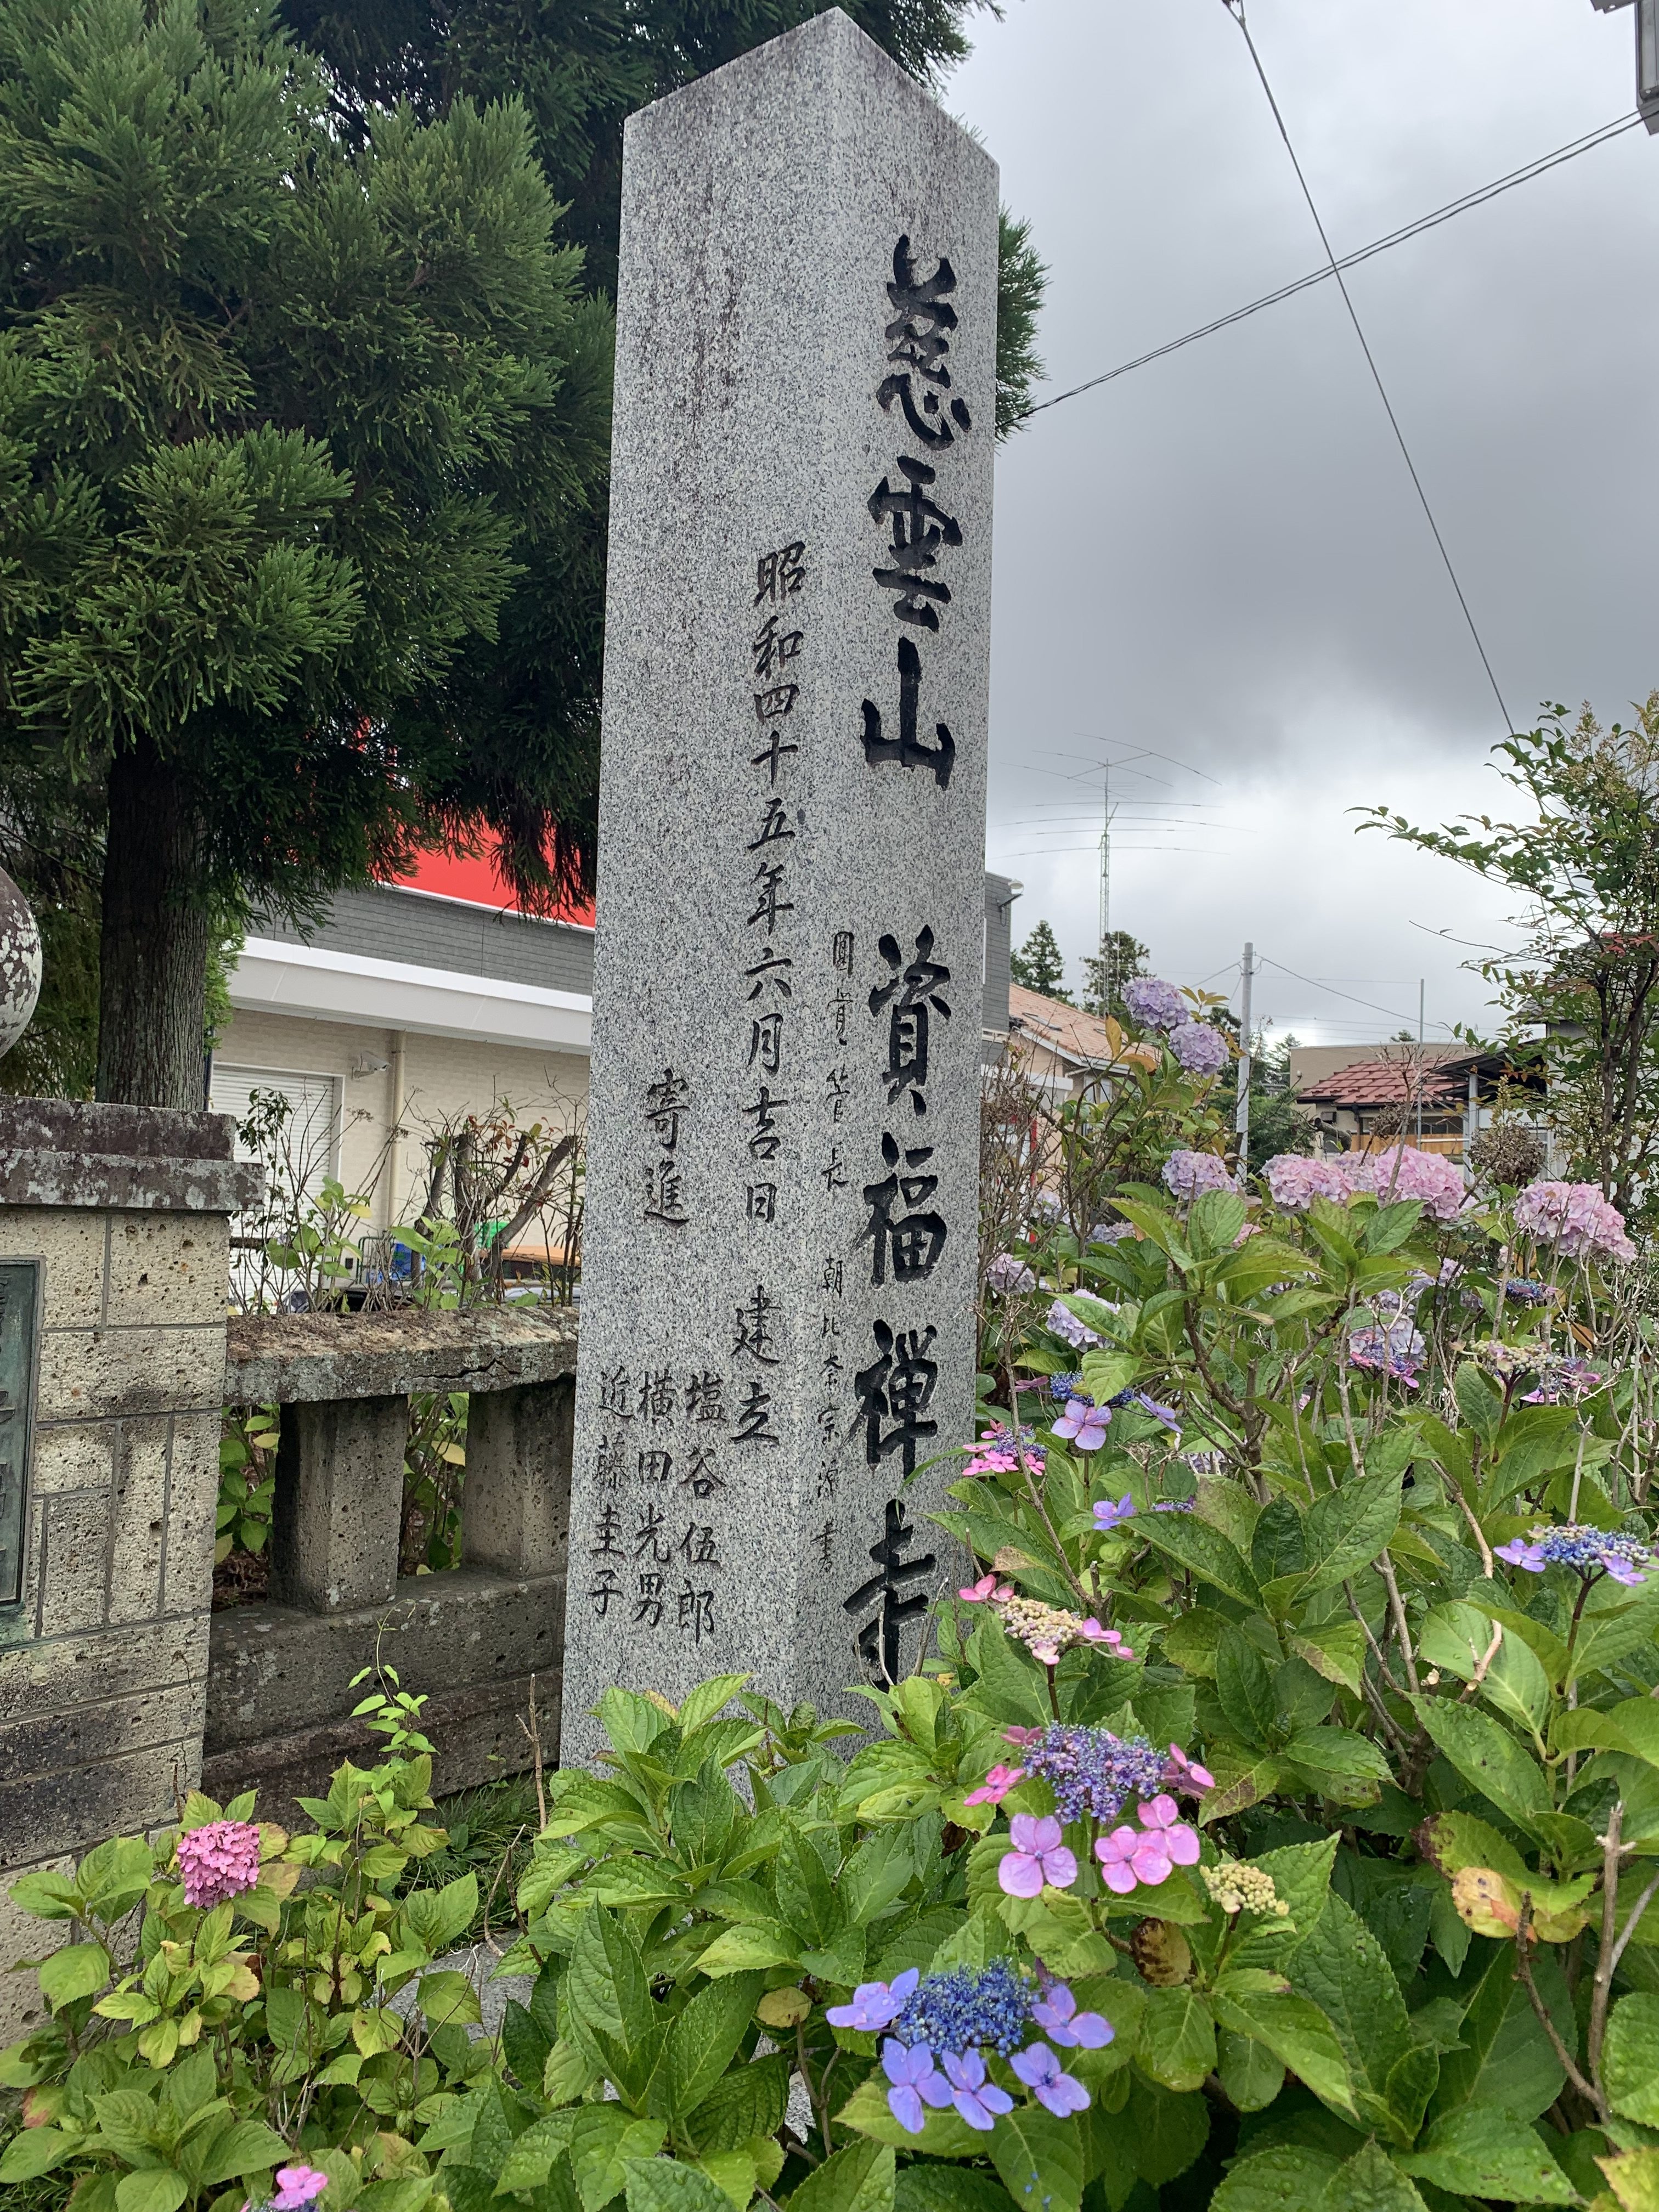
1039, 965
279, 416
1582, 866
1304, 1542
257, 2033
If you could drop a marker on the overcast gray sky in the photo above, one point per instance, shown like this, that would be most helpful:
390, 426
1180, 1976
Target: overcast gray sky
1220, 556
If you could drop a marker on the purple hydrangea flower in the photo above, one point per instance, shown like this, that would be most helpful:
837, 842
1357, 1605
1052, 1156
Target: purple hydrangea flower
1154, 1004
876, 2005
1056, 2014
1403, 1172
915, 2082
1082, 1424
967, 2009
1008, 1274
1295, 1180
1562, 1378
1043, 2073
1108, 1515
1092, 1772
1199, 1049
979, 2101
1394, 1349
1585, 1550
1189, 1175
1065, 1324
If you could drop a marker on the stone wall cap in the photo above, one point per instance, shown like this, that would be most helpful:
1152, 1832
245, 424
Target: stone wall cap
91, 1126
290, 1359
122, 1182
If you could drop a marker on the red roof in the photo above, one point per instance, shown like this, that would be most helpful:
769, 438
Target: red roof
1382, 1083
478, 881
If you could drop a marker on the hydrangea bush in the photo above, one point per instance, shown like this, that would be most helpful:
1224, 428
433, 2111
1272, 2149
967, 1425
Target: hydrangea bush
1270, 1821
1365, 1803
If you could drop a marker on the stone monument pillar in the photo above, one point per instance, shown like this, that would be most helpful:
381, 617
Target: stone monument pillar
776, 1302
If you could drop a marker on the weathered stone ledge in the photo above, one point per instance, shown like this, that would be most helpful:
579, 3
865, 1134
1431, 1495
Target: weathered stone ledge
289, 1359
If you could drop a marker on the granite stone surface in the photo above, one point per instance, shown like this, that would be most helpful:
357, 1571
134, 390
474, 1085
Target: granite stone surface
779, 1260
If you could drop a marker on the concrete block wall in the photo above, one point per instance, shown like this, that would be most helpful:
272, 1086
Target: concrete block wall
104, 1662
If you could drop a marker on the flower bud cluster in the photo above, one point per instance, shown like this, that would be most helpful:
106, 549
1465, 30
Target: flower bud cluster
1237, 1887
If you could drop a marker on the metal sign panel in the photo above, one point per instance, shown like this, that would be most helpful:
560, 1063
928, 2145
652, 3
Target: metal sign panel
20, 1331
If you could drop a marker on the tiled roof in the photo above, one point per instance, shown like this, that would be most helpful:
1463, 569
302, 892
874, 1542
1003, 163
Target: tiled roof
1063, 1030
1383, 1082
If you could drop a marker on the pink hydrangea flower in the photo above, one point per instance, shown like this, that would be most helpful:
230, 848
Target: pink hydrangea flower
1576, 1218
1131, 1855
1038, 1857
217, 1862
996, 1785
1403, 1172
985, 1591
1162, 1818
1295, 1180
297, 2186
1092, 1633
1186, 1773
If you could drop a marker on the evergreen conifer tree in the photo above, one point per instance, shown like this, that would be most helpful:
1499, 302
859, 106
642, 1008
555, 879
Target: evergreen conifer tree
1037, 965
281, 416
1119, 956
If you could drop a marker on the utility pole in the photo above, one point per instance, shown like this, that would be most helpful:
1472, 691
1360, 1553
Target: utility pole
1422, 986
1647, 54
1105, 864
1242, 1114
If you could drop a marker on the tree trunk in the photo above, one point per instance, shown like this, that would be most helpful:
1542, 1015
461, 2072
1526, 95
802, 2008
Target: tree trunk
153, 982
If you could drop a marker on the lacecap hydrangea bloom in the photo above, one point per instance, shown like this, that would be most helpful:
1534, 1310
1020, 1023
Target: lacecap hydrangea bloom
1153, 1003
218, 1861
1199, 1049
942, 2028
1296, 1180
1403, 1172
1587, 1551
1576, 1218
1189, 1175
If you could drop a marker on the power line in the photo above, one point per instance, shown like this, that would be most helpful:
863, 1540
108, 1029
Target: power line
1314, 984
1236, 9
1569, 152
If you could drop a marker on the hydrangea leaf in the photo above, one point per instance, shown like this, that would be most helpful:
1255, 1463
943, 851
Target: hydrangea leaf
1289, 2178
1631, 2058
1481, 2150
